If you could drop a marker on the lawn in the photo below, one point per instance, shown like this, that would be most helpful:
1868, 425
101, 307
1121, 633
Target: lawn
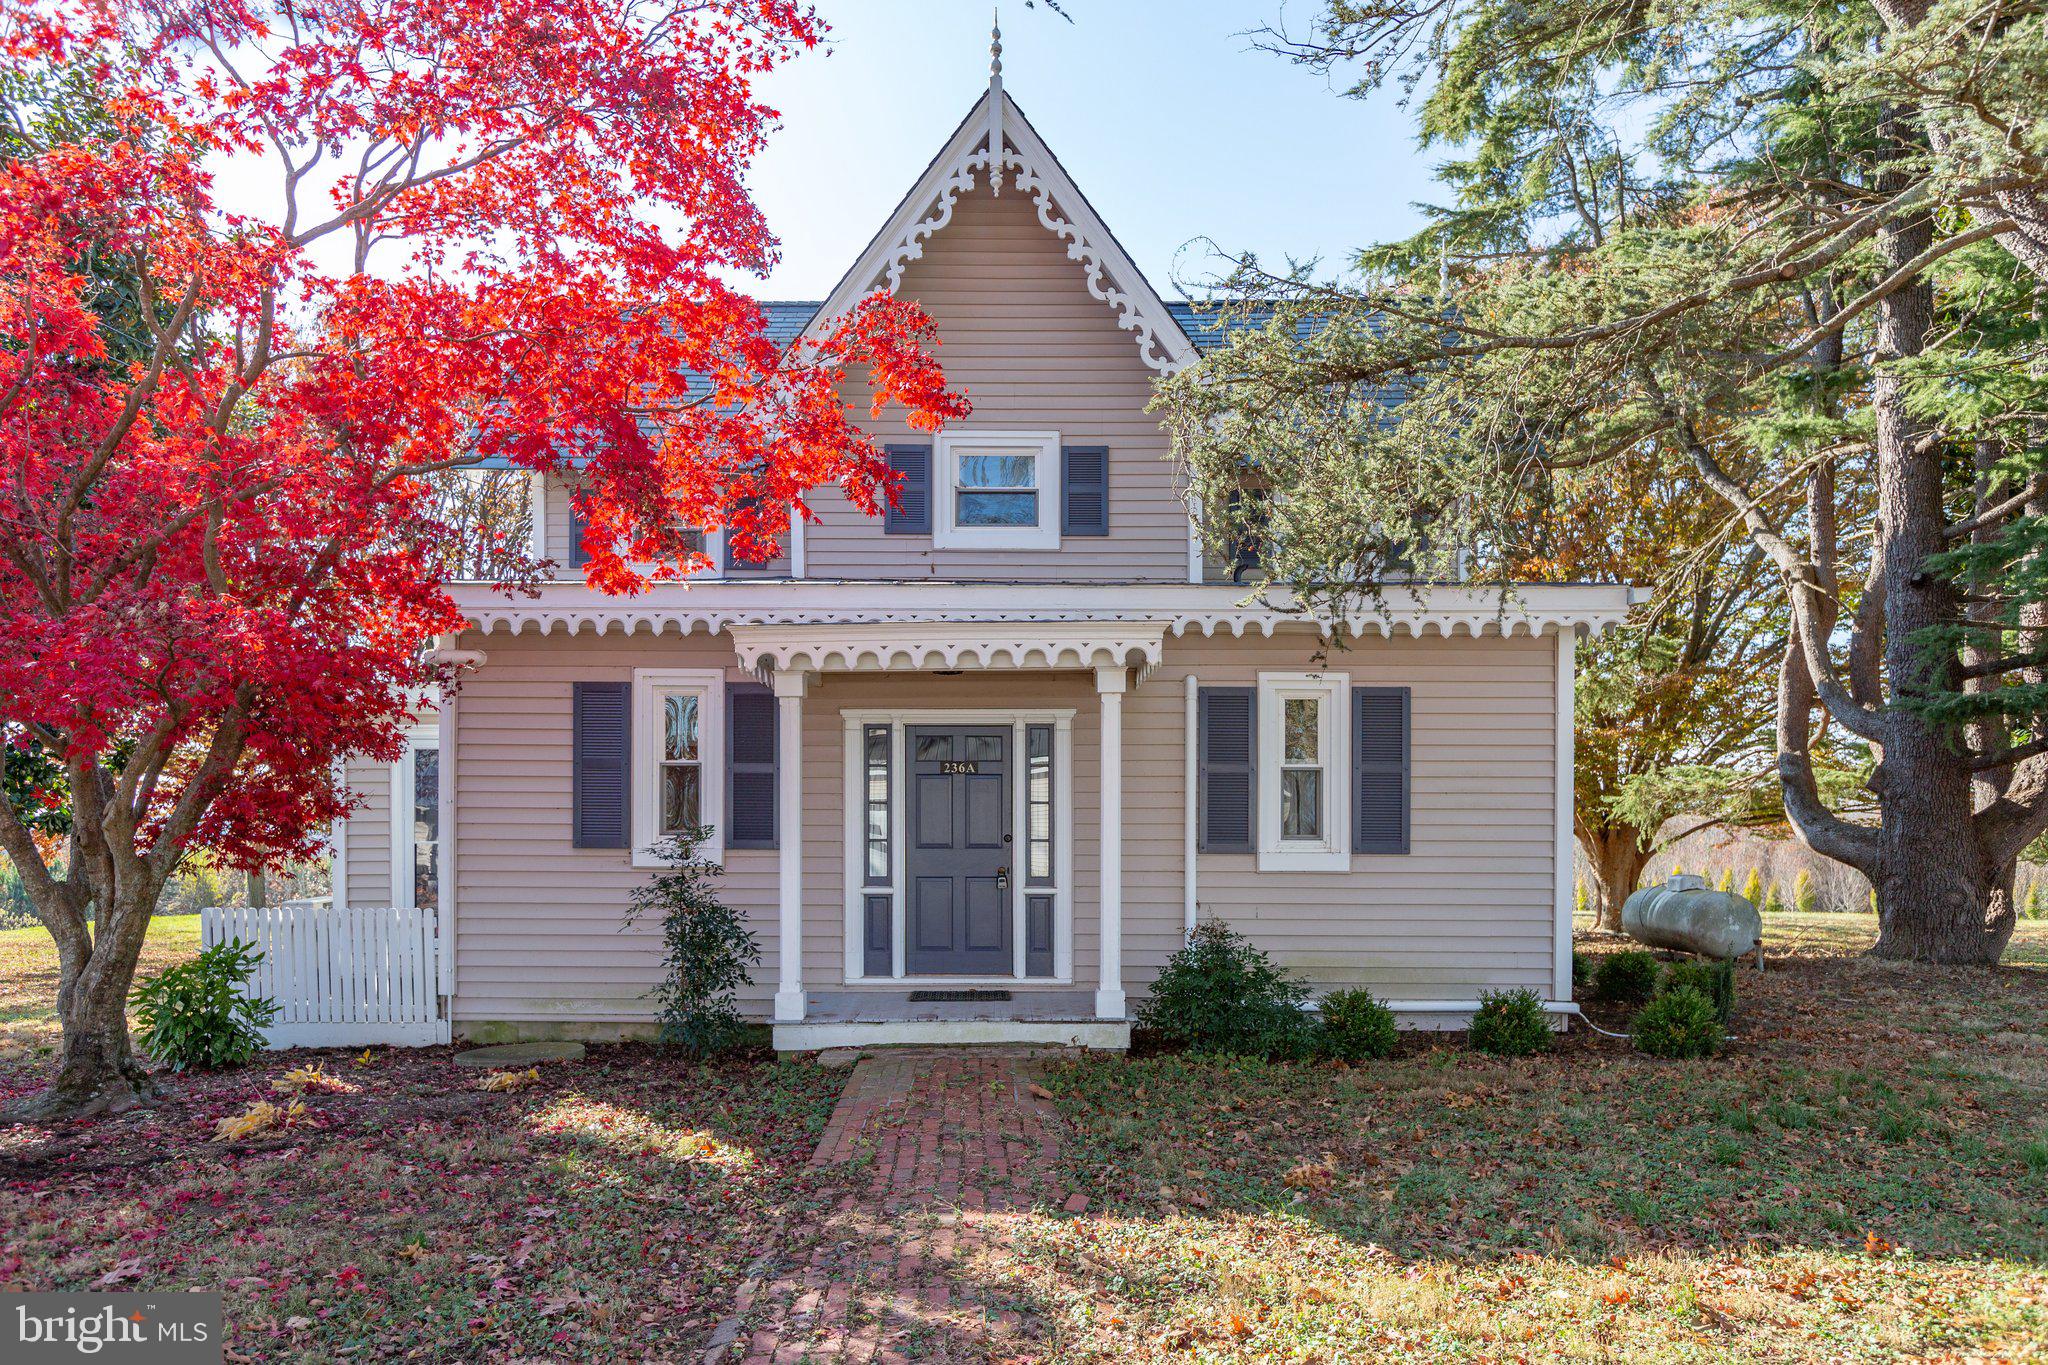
1862, 1175
606, 1211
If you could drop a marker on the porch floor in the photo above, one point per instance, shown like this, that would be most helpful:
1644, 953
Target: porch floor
893, 1005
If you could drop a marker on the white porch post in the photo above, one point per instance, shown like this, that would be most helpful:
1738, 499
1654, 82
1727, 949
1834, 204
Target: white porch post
1110, 684
789, 829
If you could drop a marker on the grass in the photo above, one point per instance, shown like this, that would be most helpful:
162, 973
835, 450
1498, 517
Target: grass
1861, 1176
613, 1204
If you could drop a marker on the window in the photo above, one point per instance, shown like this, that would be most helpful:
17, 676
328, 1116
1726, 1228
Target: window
875, 797
426, 827
997, 490
1301, 808
678, 765
1038, 806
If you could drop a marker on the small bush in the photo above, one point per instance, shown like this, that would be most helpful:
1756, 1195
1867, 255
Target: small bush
1509, 1024
706, 946
1714, 980
1582, 971
1753, 887
1803, 898
1626, 978
1219, 994
195, 1014
1357, 1025
1678, 1023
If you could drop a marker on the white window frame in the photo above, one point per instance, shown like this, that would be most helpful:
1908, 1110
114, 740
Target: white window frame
857, 889
650, 687
404, 895
947, 448
1332, 851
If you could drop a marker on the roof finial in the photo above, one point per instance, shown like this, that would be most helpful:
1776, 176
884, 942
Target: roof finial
995, 104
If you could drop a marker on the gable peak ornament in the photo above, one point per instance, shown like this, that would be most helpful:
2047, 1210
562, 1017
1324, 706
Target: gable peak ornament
995, 103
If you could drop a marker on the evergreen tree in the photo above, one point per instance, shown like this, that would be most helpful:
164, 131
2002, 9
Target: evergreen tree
1795, 247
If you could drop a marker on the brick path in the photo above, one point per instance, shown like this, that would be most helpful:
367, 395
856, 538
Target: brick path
931, 1154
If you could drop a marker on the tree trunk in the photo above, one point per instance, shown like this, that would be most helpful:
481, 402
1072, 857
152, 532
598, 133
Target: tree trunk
97, 1070
1936, 896
1618, 855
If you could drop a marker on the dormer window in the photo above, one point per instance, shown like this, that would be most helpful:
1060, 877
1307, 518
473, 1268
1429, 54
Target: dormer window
997, 490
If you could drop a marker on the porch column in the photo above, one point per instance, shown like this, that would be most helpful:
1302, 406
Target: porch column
1110, 684
789, 830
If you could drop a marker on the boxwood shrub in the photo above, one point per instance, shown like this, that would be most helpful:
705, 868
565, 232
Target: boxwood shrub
1357, 1025
1714, 980
1509, 1024
1678, 1023
1627, 978
1221, 994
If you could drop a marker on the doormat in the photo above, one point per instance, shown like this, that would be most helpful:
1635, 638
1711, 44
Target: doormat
926, 997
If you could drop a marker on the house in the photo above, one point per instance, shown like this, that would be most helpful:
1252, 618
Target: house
975, 768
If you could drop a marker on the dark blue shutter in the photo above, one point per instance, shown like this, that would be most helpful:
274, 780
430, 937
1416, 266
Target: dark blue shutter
911, 513
750, 765
1379, 762
1226, 750
1084, 490
600, 760
578, 524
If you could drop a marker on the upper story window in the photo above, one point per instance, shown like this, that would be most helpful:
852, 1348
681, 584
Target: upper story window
997, 490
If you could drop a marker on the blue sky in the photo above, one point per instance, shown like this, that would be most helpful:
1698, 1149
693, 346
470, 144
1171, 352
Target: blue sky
1172, 126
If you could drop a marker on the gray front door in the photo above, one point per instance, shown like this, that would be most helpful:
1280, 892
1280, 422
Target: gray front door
959, 852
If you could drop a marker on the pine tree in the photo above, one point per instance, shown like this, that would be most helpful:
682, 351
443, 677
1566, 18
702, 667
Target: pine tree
1802, 892
1752, 886
1726, 881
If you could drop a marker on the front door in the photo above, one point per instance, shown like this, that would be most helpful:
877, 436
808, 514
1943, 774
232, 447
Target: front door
959, 852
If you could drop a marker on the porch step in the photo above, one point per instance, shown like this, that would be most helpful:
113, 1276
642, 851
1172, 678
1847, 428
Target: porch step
809, 1036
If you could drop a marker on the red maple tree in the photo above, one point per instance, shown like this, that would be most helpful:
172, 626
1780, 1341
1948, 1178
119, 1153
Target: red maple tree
214, 527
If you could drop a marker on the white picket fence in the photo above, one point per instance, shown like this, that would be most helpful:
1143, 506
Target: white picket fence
342, 976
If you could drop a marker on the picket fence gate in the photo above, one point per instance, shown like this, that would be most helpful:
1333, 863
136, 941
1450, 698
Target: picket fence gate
341, 976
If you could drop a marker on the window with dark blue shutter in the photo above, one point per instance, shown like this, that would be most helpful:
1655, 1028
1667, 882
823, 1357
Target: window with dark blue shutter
600, 763
1379, 762
1227, 721
1084, 490
911, 513
750, 763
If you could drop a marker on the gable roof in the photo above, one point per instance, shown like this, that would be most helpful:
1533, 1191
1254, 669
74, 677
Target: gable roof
1027, 166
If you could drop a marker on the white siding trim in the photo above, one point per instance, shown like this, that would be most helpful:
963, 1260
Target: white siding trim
1110, 686
1190, 835
1567, 649
789, 797
444, 919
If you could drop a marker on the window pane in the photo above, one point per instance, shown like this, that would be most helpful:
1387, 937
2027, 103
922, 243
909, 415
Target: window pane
875, 741
998, 471
426, 795
1303, 744
997, 509
1301, 800
983, 748
679, 741
426, 876
679, 797
930, 747
1038, 805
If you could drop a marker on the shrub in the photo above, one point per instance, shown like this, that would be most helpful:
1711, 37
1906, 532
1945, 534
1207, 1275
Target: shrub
1357, 1025
1803, 898
1772, 905
1714, 980
1753, 886
196, 1014
1678, 1023
1582, 970
1509, 1024
1726, 881
1579, 897
706, 945
2033, 905
1626, 978
1219, 994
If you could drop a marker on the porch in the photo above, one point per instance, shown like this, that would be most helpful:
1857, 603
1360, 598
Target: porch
958, 886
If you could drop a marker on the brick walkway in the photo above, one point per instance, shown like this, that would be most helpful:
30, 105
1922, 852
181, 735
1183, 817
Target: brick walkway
930, 1153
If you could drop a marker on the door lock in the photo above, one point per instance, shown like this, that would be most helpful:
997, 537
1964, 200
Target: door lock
1002, 879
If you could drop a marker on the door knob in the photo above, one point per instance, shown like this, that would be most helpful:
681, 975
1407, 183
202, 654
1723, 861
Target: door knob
1002, 878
